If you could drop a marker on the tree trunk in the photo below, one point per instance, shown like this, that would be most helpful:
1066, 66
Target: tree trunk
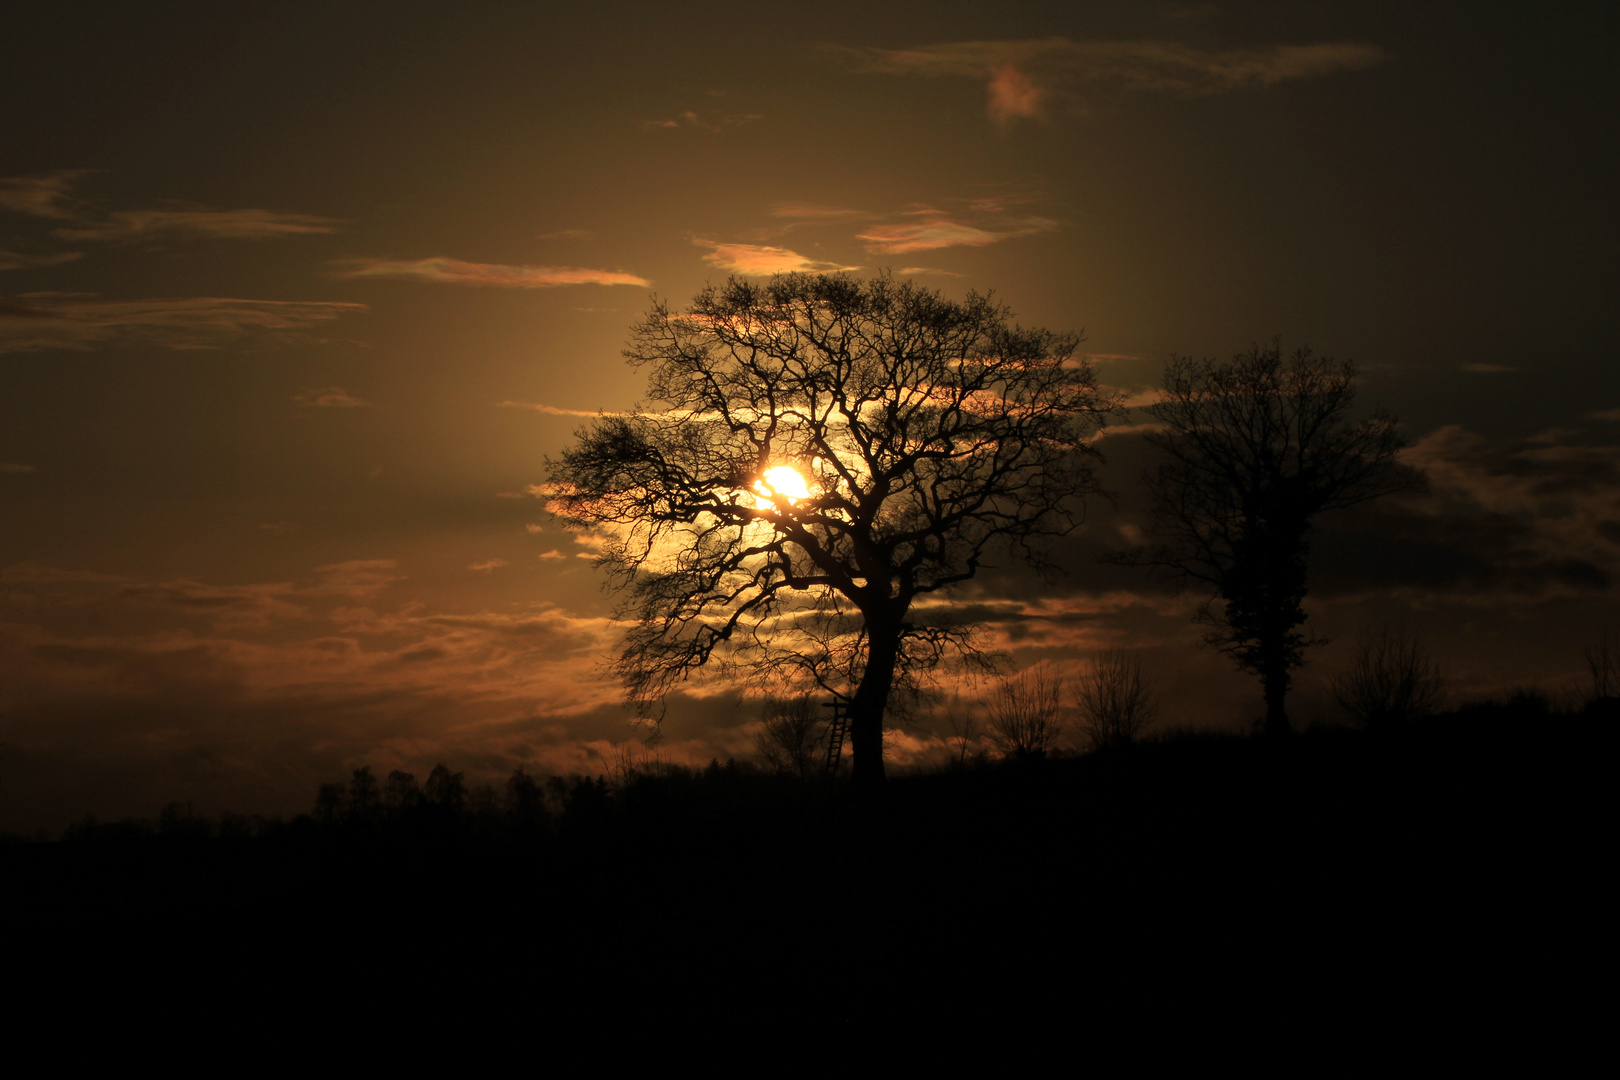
1276, 682
867, 707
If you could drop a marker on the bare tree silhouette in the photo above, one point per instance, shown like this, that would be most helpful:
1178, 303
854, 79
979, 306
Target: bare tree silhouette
794, 737
1254, 449
1603, 662
400, 791
1391, 679
966, 731
1114, 701
826, 451
1023, 714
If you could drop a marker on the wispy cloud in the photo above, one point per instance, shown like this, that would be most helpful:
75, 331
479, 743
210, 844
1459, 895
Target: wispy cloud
1526, 516
226, 606
488, 565
1012, 95
194, 224
16, 260
330, 397
1132, 397
761, 260
552, 410
457, 272
814, 212
920, 271
1612, 415
568, 234
49, 196
1021, 76
42, 196
706, 121
36, 321
286, 664
9, 467
932, 229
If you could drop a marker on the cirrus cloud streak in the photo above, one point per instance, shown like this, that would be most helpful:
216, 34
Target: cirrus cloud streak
446, 271
34, 322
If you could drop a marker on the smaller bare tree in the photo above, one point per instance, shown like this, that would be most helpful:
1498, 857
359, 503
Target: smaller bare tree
1392, 679
794, 737
1114, 701
1023, 714
1603, 661
965, 732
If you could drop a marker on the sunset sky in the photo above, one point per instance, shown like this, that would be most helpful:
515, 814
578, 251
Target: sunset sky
296, 299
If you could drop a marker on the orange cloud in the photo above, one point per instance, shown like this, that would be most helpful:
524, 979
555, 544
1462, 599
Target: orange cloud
937, 230
812, 212
552, 410
457, 272
1012, 95
760, 260
330, 397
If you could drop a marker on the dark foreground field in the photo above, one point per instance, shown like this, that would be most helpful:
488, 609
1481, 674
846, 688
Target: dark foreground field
1376, 880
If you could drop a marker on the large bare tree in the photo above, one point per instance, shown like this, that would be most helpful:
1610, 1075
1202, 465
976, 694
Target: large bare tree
1254, 449
821, 453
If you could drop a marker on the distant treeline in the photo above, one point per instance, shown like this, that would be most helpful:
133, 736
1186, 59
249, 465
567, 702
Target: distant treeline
534, 809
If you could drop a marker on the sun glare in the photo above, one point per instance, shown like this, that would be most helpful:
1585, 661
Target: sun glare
783, 480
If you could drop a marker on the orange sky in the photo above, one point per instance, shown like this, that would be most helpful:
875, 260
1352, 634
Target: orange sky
296, 299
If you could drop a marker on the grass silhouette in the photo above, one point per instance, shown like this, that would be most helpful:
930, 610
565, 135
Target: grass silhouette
730, 896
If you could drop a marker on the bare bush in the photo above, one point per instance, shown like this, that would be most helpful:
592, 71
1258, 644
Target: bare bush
794, 738
1023, 714
965, 733
1392, 679
1114, 701
1603, 661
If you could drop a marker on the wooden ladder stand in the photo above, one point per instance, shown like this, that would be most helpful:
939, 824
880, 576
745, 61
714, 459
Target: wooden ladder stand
835, 734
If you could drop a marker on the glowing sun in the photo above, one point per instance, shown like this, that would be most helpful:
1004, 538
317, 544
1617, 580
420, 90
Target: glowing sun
783, 480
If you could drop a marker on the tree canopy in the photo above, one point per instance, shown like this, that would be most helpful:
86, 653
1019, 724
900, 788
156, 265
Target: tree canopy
820, 453
1254, 449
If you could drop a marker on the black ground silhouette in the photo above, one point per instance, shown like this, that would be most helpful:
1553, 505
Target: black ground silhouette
1452, 858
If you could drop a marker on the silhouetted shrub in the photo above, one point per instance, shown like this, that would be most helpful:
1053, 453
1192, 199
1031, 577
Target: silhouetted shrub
180, 821
794, 738
1114, 701
1603, 662
1023, 715
1391, 680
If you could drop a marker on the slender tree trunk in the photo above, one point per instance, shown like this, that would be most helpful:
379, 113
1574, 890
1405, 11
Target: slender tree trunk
870, 701
1276, 682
